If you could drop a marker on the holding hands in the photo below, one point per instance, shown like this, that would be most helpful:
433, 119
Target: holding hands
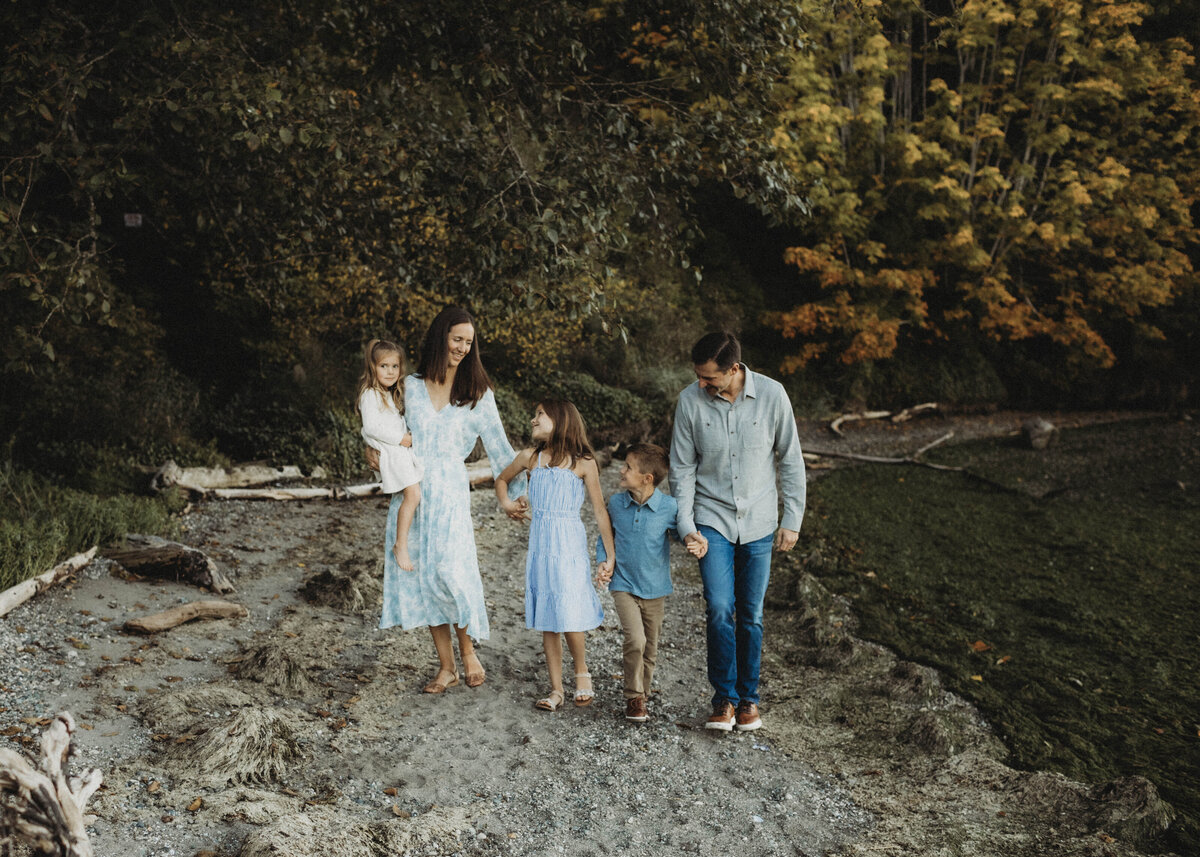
604, 572
696, 544
517, 509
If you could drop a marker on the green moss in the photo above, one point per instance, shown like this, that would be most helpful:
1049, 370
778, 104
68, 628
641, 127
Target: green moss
1069, 620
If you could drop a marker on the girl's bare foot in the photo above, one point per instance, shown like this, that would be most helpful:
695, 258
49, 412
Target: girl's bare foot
402, 558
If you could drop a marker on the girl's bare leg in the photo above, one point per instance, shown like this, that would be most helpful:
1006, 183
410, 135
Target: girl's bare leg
552, 646
404, 520
577, 643
443, 643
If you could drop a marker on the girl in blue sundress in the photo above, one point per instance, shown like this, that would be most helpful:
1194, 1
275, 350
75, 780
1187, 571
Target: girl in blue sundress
559, 595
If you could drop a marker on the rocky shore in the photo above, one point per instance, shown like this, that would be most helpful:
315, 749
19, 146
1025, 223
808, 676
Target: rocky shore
301, 729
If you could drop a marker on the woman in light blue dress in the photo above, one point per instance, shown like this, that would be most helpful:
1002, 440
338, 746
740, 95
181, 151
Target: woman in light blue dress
449, 404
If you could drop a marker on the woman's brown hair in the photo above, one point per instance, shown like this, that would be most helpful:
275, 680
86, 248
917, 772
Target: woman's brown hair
568, 439
471, 380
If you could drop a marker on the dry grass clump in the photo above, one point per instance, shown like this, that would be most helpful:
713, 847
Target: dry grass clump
258, 745
327, 832
180, 710
356, 586
277, 669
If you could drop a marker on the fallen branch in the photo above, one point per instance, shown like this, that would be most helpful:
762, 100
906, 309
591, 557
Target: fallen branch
168, 619
894, 416
150, 556
15, 596
41, 806
915, 458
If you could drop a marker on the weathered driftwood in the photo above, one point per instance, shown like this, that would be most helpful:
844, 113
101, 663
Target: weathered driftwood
202, 479
41, 806
894, 416
479, 474
915, 458
168, 619
15, 596
1039, 433
150, 556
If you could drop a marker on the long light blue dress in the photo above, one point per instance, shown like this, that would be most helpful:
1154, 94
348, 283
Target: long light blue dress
445, 588
559, 595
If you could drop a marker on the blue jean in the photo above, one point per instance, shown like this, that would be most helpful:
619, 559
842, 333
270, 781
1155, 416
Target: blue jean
735, 583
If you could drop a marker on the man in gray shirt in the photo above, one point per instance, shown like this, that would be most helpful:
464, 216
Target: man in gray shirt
734, 432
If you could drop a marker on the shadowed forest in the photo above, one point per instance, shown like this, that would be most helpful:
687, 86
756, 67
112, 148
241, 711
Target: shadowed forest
206, 209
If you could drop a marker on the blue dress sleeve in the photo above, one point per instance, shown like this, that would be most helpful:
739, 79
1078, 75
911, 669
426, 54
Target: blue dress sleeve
485, 423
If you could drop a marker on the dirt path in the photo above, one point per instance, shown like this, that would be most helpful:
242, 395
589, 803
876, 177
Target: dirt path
861, 754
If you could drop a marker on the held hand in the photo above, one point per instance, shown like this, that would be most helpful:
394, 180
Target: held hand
696, 545
517, 509
785, 539
406, 440
604, 572
372, 456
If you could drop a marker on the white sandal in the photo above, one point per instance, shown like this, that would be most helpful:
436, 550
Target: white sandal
551, 702
583, 696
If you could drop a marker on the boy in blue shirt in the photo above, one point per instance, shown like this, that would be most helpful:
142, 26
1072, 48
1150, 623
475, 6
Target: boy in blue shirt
643, 520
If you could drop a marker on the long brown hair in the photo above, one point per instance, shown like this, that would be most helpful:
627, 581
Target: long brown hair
568, 438
394, 394
470, 381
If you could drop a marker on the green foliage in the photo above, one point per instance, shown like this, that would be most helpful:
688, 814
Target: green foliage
515, 414
42, 523
611, 414
1007, 171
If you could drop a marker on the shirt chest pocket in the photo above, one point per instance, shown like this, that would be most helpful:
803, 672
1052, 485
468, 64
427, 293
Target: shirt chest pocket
755, 434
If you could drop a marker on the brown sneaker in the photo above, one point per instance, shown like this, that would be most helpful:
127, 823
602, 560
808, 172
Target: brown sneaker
747, 717
635, 709
722, 717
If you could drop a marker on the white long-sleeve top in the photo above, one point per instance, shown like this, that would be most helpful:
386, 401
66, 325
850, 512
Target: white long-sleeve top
383, 428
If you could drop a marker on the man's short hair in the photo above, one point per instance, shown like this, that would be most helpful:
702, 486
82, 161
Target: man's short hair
650, 458
721, 347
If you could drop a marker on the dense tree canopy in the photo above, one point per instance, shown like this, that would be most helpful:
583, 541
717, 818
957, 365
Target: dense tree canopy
1024, 169
322, 163
310, 173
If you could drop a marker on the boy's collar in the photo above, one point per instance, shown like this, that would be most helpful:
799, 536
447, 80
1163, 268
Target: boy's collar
651, 501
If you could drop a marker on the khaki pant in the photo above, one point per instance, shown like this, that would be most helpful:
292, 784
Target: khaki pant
641, 620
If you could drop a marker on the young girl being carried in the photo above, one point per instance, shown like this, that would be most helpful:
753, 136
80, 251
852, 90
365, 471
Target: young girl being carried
559, 594
381, 403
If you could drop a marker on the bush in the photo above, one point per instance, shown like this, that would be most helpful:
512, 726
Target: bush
42, 524
515, 414
611, 414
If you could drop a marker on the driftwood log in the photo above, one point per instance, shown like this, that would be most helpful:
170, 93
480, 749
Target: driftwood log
479, 474
150, 556
41, 806
202, 479
15, 596
168, 619
894, 416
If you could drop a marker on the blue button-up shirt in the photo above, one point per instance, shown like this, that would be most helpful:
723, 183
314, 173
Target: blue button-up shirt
724, 458
642, 538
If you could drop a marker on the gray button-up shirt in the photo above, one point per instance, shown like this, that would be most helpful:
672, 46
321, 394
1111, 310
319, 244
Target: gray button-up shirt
724, 457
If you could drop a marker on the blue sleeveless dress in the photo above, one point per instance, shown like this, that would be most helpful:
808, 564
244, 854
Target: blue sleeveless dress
559, 595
